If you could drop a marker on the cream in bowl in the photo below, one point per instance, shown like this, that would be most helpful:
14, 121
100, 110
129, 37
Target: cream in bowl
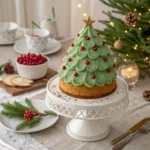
32, 66
37, 39
8, 32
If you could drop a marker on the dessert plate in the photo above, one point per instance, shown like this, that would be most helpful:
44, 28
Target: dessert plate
52, 47
46, 122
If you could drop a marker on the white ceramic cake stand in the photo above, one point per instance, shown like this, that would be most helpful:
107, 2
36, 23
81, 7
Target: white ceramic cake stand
87, 114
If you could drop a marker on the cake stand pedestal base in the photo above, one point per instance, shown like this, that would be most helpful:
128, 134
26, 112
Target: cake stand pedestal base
87, 130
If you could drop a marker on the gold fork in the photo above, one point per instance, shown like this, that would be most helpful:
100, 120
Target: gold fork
144, 130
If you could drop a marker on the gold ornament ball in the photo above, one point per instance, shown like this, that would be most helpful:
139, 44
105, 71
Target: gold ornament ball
118, 45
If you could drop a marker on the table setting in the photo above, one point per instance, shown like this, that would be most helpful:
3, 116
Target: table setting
82, 102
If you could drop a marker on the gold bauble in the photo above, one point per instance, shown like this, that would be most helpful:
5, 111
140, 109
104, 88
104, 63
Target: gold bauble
118, 45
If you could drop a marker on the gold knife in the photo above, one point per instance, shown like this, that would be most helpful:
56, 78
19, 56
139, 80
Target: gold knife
131, 130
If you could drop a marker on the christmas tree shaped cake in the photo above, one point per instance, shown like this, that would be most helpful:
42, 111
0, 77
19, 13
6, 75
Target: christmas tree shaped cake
88, 69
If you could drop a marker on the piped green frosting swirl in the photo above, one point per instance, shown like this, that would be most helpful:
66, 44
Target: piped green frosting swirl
75, 61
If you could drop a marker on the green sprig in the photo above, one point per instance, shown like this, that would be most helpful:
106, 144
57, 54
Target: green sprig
12, 107
30, 105
35, 25
53, 18
17, 110
12, 114
29, 123
50, 113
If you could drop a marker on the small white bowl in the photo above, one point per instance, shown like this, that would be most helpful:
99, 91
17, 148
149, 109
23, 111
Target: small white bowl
32, 72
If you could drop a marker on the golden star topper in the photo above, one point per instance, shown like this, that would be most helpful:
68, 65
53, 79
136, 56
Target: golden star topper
89, 22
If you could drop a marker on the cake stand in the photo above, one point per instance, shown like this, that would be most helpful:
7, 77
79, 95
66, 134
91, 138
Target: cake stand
88, 114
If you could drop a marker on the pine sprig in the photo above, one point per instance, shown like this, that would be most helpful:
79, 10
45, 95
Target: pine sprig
11, 107
29, 123
50, 113
20, 111
15, 108
30, 105
12, 114
21, 107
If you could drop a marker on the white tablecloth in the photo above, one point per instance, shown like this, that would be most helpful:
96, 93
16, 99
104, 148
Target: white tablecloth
57, 138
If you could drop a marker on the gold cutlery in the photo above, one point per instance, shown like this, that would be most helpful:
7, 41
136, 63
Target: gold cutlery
131, 130
143, 130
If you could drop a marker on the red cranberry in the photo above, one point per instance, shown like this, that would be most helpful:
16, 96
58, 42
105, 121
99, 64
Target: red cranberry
78, 34
87, 62
114, 66
69, 59
104, 42
63, 67
105, 59
33, 55
82, 48
33, 63
45, 59
93, 76
98, 33
75, 74
72, 45
31, 59
95, 48
87, 38
28, 115
109, 70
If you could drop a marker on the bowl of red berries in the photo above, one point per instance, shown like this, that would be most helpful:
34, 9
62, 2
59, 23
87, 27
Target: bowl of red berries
32, 66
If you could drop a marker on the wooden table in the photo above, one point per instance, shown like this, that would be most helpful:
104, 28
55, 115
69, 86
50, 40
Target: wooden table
56, 137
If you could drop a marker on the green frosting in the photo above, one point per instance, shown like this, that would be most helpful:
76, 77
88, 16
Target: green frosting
89, 82
98, 71
81, 54
80, 79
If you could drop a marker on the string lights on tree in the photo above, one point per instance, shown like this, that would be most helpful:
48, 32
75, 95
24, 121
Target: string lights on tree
133, 28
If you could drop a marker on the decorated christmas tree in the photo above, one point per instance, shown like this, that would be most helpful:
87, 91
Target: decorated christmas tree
129, 35
88, 65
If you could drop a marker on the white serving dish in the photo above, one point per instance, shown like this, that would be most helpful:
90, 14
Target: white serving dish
32, 72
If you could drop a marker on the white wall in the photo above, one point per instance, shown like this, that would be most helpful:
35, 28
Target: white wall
69, 16
7, 9
92, 7
62, 9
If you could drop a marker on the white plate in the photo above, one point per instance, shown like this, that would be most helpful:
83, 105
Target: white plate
46, 122
52, 47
